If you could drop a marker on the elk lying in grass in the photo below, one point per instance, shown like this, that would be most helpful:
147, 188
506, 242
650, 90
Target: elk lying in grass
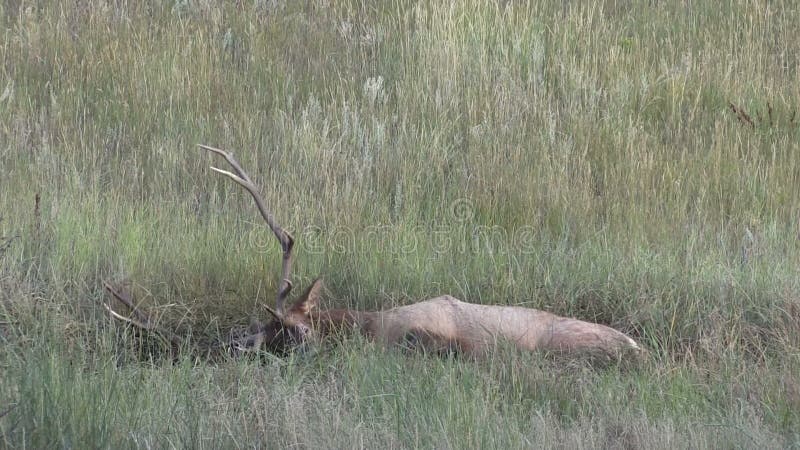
441, 324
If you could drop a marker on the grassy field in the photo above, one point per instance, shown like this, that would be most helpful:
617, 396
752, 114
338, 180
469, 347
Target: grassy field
634, 163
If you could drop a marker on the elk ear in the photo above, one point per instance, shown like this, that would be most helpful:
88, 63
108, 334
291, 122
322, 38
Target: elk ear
310, 298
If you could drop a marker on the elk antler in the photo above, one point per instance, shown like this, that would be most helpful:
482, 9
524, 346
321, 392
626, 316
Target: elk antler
286, 240
138, 318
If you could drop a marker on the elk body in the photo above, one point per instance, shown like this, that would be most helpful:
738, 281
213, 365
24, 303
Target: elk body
441, 324
446, 324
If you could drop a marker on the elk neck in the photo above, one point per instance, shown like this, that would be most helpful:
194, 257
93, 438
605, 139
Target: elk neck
339, 321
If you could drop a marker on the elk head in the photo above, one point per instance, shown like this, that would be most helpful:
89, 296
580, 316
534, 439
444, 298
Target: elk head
289, 328
292, 330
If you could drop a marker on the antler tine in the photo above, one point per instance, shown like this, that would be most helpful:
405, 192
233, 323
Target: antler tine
137, 319
274, 312
286, 240
141, 320
130, 320
231, 160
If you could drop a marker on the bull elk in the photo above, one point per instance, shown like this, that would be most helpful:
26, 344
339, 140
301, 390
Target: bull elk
441, 324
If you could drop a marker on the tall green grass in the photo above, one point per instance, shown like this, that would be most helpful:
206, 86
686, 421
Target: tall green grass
582, 159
